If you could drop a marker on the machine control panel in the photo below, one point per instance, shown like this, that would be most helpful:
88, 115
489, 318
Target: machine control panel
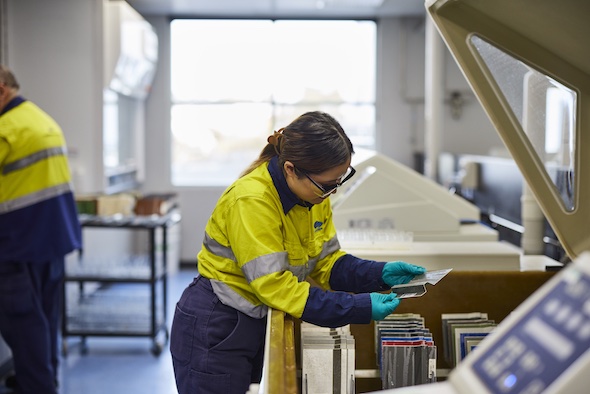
545, 342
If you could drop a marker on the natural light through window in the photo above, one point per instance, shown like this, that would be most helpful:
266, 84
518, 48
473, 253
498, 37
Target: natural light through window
235, 81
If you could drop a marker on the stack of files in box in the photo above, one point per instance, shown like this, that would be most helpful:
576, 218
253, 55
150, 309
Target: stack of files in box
327, 359
406, 354
462, 332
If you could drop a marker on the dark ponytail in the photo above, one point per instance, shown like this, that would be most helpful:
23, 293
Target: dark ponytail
314, 142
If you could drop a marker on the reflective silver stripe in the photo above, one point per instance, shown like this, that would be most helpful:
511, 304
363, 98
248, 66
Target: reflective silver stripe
311, 265
218, 249
272, 263
330, 247
264, 265
230, 298
34, 198
32, 159
300, 271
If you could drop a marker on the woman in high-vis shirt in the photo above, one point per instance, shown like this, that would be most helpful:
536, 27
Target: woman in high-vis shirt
270, 230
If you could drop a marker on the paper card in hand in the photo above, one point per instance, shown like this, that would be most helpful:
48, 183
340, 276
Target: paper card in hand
417, 286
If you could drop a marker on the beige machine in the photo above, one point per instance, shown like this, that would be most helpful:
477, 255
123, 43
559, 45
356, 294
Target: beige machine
391, 212
529, 64
385, 194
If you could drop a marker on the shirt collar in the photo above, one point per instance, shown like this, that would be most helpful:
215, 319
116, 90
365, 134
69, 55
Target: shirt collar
12, 103
288, 198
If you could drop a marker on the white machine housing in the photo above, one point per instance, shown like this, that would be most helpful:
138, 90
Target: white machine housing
387, 195
390, 212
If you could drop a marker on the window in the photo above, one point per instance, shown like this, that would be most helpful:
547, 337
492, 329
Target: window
547, 115
235, 81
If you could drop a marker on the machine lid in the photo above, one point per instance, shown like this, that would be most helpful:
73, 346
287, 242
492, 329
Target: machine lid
528, 62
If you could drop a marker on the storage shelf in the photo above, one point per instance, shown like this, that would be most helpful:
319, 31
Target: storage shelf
145, 222
135, 268
109, 309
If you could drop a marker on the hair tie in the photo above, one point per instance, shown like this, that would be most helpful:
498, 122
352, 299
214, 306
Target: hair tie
274, 140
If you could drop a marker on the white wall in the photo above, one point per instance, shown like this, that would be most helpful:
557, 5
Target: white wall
55, 49
400, 97
400, 87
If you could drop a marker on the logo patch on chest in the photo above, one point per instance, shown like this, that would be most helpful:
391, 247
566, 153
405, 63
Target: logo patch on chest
318, 225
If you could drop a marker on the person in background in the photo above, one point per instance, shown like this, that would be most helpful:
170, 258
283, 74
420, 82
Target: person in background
38, 227
270, 230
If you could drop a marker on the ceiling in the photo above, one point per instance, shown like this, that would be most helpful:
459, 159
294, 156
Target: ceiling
280, 8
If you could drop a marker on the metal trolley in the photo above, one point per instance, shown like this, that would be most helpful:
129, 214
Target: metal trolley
123, 297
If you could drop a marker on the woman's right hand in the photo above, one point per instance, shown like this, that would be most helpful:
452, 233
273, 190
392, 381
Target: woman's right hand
383, 305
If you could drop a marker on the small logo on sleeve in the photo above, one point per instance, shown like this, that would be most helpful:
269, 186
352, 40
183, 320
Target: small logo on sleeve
318, 225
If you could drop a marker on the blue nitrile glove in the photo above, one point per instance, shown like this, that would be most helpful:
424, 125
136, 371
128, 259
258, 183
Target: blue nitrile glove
383, 305
398, 272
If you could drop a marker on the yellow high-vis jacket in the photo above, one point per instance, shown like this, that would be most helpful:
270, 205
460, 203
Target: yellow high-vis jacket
261, 243
38, 215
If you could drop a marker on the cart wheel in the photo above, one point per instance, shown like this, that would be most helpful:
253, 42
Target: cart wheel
83, 346
157, 349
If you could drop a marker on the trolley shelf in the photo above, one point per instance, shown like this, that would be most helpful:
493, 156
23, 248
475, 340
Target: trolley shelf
105, 314
135, 268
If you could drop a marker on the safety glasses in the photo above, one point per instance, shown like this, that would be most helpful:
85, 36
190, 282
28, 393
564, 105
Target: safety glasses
326, 190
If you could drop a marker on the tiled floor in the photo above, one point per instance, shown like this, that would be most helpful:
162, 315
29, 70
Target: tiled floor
116, 365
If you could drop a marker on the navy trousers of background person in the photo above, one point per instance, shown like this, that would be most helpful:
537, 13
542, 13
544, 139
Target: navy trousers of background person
30, 308
215, 348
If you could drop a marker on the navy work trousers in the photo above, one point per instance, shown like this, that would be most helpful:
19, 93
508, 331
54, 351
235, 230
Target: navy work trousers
30, 307
215, 348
